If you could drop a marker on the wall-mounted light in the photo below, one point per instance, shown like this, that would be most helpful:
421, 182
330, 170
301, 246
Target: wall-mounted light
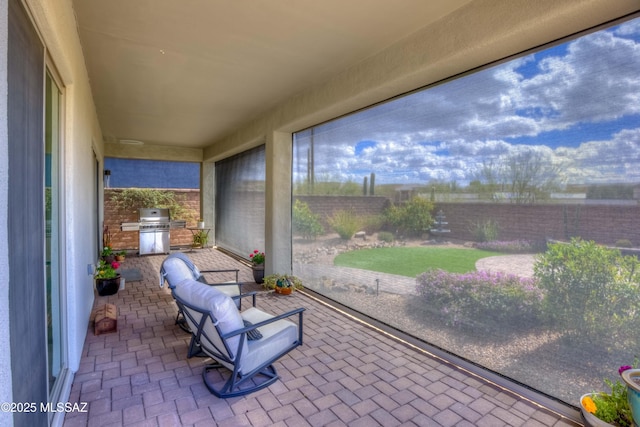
107, 178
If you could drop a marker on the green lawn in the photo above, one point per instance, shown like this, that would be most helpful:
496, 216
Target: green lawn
411, 261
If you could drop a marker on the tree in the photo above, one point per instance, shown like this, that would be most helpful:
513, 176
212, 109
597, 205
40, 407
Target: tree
523, 178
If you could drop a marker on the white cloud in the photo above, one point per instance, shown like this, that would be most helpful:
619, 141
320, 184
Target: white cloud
446, 132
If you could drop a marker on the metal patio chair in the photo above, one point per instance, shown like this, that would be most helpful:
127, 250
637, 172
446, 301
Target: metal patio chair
178, 267
246, 344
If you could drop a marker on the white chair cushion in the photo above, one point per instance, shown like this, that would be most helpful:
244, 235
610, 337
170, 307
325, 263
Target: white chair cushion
208, 298
175, 271
231, 290
276, 337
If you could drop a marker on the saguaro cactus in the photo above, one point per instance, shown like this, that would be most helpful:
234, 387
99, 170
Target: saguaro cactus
372, 183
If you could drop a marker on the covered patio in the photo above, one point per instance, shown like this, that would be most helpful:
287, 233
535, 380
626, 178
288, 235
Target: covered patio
347, 372
202, 83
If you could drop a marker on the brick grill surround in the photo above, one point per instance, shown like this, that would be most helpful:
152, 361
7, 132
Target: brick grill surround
129, 240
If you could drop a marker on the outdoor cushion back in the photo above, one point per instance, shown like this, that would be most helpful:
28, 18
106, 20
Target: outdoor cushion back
178, 266
224, 315
174, 270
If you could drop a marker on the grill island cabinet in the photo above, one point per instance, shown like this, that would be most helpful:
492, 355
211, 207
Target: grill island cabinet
154, 231
106, 319
153, 228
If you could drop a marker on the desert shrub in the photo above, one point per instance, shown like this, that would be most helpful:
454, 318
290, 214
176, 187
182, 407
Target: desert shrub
385, 236
412, 217
591, 291
345, 223
305, 222
132, 199
372, 223
490, 298
510, 246
484, 231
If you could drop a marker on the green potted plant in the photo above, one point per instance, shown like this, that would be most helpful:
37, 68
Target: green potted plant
107, 277
200, 239
120, 256
608, 409
282, 283
257, 265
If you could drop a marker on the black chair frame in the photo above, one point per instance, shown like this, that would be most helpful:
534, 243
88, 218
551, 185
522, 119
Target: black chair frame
263, 376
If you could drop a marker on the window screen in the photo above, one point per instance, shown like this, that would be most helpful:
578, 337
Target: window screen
494, 215
240, 202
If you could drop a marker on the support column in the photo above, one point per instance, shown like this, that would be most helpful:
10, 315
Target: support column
278, 154
208, 197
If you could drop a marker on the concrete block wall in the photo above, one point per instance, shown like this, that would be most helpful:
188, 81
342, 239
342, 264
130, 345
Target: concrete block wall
326, 206
603, 223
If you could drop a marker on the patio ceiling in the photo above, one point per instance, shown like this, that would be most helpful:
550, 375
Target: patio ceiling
185, 74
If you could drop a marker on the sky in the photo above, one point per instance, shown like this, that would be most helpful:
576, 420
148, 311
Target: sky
577, 105
126, 173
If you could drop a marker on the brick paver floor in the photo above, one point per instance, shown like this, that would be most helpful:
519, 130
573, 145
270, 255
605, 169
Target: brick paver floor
345, 374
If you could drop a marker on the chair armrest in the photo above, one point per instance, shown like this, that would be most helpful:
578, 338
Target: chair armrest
238, 284
297, 311
248, 294
230, 270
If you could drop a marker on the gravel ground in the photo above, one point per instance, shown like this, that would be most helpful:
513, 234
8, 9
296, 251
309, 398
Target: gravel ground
537, 357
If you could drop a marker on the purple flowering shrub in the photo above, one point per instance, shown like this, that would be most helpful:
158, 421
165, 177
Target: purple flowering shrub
509, 246
481, 297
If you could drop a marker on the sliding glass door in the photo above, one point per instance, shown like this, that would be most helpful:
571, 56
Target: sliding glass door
53, 242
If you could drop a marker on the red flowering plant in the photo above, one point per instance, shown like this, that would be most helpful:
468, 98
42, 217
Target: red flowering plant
611, 407
257, 257
106, 270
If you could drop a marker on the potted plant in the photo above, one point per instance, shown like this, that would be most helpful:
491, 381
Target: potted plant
107, 277
257, 265
200, 239
120, 256
107, 254
282, 283
608, 409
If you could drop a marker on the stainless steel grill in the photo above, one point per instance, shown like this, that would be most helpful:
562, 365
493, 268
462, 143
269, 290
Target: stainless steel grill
154, 226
